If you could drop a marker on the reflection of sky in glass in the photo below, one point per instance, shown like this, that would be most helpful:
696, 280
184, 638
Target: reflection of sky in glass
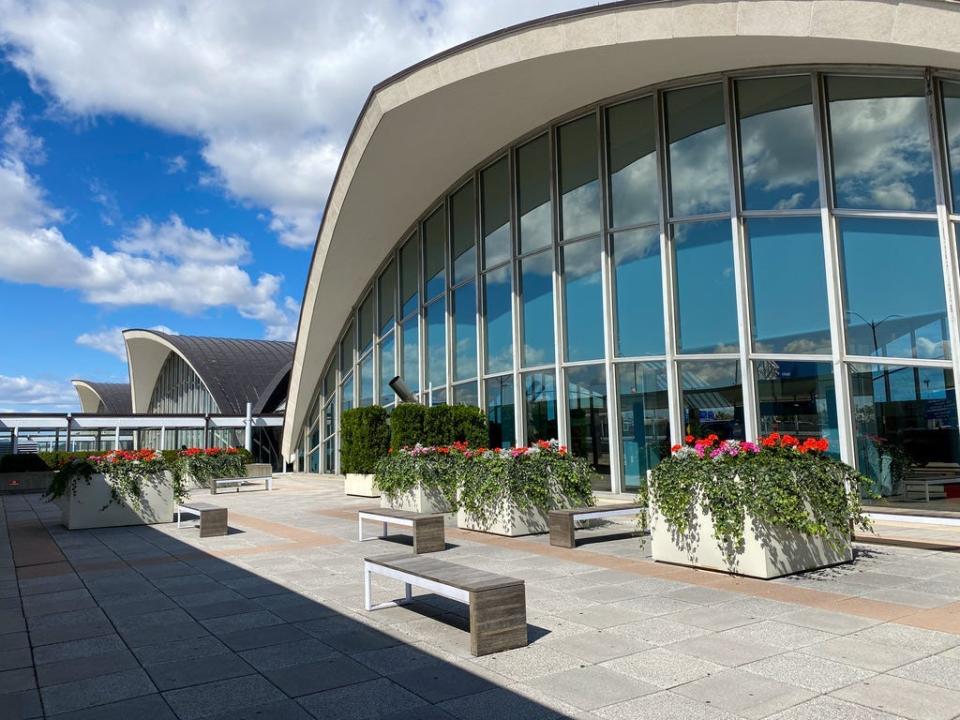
387, 370
463, 242
881, 143
712, 398
579, 181
789, 285
387, 293
540, 396
777, 143
465, 332
893, 286
631, 133
706, 294
346, 349
411, 360
435, 342
347, 393
409, 294
537, 294
366, 380
499, 326
533, 194
644, 419
799, 398
636, 255
365, 323
583, 296
951, 113
434, 238
495, 213
500, 411
699, 170
466, 394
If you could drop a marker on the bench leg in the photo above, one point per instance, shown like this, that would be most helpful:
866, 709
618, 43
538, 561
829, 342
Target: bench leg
407, 592
562, 529
384, 533
178, 518
213, 523
428, 535
498, 620
367, 605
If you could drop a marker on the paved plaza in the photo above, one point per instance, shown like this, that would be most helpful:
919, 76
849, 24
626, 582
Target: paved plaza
267, 622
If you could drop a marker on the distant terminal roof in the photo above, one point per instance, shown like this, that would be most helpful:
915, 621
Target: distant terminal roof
114, 397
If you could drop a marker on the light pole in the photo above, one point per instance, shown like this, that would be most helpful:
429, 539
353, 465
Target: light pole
874, 324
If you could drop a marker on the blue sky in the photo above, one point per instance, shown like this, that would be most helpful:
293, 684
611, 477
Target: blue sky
165, 164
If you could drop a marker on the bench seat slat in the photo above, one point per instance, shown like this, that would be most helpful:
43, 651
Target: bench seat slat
590, 509
445, 573
399, 514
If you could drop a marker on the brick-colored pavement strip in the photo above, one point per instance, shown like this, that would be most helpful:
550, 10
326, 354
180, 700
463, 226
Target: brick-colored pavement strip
152, 622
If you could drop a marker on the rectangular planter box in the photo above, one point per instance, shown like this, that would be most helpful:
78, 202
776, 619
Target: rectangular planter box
430, 501
508, 520
769, 552
258, 469
85, 509
360, 485
25, 482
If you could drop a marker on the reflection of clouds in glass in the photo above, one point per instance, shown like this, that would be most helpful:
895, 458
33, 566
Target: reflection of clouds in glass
581, 210
951, 111
536, 228
581, 261
497, 294
496, 245
633, 192
537, 288
436, 345
779, 158
881, 153
699, 173
639, 294
583, 300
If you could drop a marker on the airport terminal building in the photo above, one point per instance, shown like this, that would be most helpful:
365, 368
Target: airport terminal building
620, 225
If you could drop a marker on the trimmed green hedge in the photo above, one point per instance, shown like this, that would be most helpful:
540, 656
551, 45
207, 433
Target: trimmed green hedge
364, 438
54, 459
406, 425
22, 462
438, 425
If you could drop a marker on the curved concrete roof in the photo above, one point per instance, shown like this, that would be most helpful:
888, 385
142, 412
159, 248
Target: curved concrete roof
234, 371
420, 130
114, 396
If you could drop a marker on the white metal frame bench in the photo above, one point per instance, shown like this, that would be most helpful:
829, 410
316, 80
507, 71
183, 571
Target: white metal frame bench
498, 608
239, 482
563, 523
428, 532
213, 518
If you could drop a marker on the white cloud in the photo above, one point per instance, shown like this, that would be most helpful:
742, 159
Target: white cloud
20, 394
176, 164
166, 264
271, 88
110, 340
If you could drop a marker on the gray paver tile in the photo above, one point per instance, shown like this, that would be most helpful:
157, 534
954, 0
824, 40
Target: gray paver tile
399, 657
96, 691
744, 694
243, 621
263, 636
499, 703
146, 707
663, 706
21, 705
903, 636
772, 632
808, 671
903, 697
17, 680
273, 657
72, 649
596, 647
713, 617
591, 687
659, 631
63, 671
663, 667
529, 662
222, 608
860, 653
180, 650
138, 636
831, 622
360, 639
441, 681
282, 710
702, 595
222, 696
828, 708
320, 675
942, 670
603, 616
15, 658
62, 601
196, 671
369, 700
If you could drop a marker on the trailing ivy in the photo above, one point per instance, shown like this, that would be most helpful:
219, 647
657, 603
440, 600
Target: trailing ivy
780, 483
127, 472
201, 465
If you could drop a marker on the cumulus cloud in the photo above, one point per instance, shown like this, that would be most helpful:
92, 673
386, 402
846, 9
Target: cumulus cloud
19, 394
166, 264
111, 341
271, 89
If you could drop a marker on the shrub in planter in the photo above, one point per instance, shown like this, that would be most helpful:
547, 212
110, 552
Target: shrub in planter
421, 479
128, 473
788, 496
200, 465
22, 462
56, 458
364, 438
406, 425
469, 425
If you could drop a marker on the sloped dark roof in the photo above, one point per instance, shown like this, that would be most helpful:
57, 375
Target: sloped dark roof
115, 397
236, 371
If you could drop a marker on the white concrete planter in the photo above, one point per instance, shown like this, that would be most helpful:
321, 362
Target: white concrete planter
360, 484
769, 552
34, 481
508, 519
85, 508
418, 499
258, 469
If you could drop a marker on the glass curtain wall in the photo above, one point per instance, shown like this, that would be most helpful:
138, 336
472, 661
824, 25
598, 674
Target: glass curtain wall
754, 253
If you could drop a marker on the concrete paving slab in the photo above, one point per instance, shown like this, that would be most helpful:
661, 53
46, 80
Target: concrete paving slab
373, 699
196, 671
808, 671
591, 687
99, 690
222, 696
147, 707
663, 667
914, 700
744, 694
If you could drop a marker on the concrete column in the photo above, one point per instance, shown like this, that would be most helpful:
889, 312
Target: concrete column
248, 428
163, 438
15, 439
116, 438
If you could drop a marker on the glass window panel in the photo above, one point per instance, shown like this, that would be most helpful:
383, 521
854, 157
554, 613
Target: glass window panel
644, 419
951, 115
463, 215
465, 332
315, 435
410, 364
330, 380
495, 213
777, 143
536, 291
540, 398
699, 162
466, 394
315, 461
387, 297
365, 323
347, 393
583, 300
500, 417
346, 349
799, 399
706, 292
329, 419
587, 400
329, 456
579, 178
789, 285
893, 286
632, 135
439, 397
434, 239
712, 394
498, 323
366, 380
387, 369
409, 261
639, 289
436, 370
533, 194
880, 143
904, 417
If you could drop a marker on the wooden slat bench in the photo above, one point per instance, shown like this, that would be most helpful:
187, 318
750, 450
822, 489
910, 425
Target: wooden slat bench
498, 605
563, 522
428, 535
239, 482
929, 480
213, 518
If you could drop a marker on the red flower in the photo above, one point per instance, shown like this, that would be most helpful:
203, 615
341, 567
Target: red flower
688, 438
676, 448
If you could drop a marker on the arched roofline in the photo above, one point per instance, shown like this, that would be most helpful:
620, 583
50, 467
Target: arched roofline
89, 397
147, 350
